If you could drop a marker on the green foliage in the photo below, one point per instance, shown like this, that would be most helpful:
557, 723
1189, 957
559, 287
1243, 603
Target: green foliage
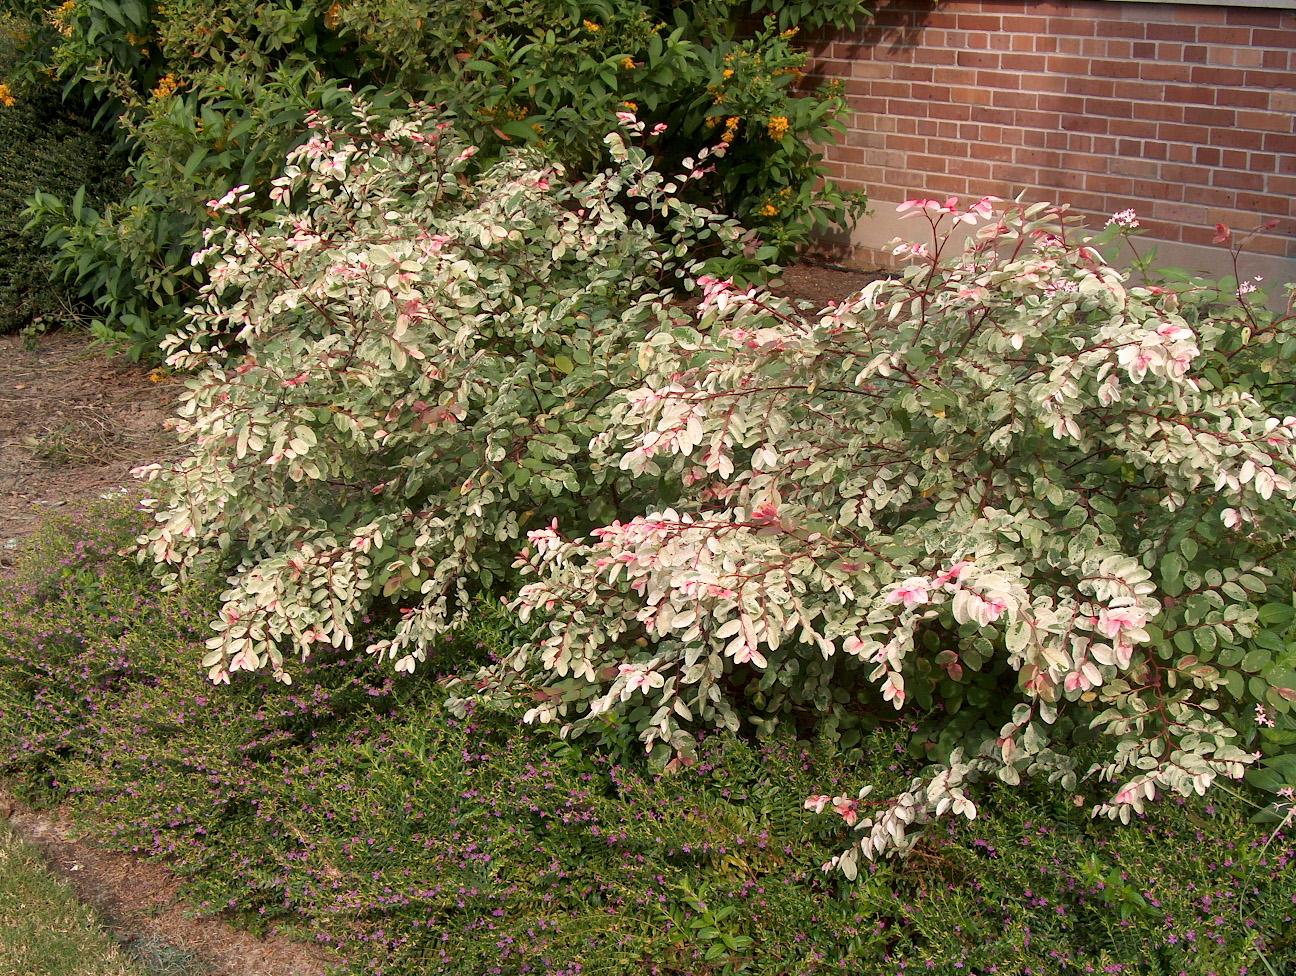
132, 257
44, 147
352, 808
210, 95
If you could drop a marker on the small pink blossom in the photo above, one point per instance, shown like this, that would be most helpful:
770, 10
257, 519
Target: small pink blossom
952, 574
911, 592
1113, 622
987, 610
817, 804
847, 809
1124, 218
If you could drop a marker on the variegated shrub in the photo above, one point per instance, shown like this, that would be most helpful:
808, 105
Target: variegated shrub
1039, 506
399, 371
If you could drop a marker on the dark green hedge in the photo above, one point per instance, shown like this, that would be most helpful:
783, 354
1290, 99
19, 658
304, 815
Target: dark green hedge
44, 145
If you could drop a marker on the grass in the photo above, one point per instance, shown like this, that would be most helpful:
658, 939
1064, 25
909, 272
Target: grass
44, 930
354, 809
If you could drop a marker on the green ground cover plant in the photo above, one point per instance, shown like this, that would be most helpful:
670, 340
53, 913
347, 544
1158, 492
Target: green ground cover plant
355, 808
206, 96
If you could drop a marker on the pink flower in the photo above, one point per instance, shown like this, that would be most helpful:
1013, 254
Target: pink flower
713, 288
911, 592
953, 573
626, 118
1113, 622
1222, 234
638, 678
847, 809
816, 804
987, 611
1124, 218
659, 128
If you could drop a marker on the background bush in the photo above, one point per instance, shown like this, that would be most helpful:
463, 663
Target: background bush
46, 146
210, 95
353, 809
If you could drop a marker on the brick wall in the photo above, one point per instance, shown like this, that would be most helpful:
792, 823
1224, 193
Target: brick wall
1183, 112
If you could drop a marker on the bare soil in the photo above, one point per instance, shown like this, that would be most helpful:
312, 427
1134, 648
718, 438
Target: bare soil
820, 284
73, 422
139, 904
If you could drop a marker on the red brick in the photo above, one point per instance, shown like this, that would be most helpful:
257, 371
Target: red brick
1171, 32
1165, 70
1025, 25
1195, 175
1173, 132
1082, 123
1068, 66
1024, 62
998, 79
1273, 142
977, 59
1286, 40
979, 23
1068, 25
1114, 69
1251, 18
1236, 139
1237, 181
970, 96
1245, 98
1224, 35
1014, 99
1198, 115
1267, 121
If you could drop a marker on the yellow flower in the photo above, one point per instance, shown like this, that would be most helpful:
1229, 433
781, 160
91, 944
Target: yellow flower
592, 27
631, 106
790, 33
6, 96
333, 17
629, 64
157, 376
731, 129
777, 127
167, 86
769, 210
728, 73
60, 17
